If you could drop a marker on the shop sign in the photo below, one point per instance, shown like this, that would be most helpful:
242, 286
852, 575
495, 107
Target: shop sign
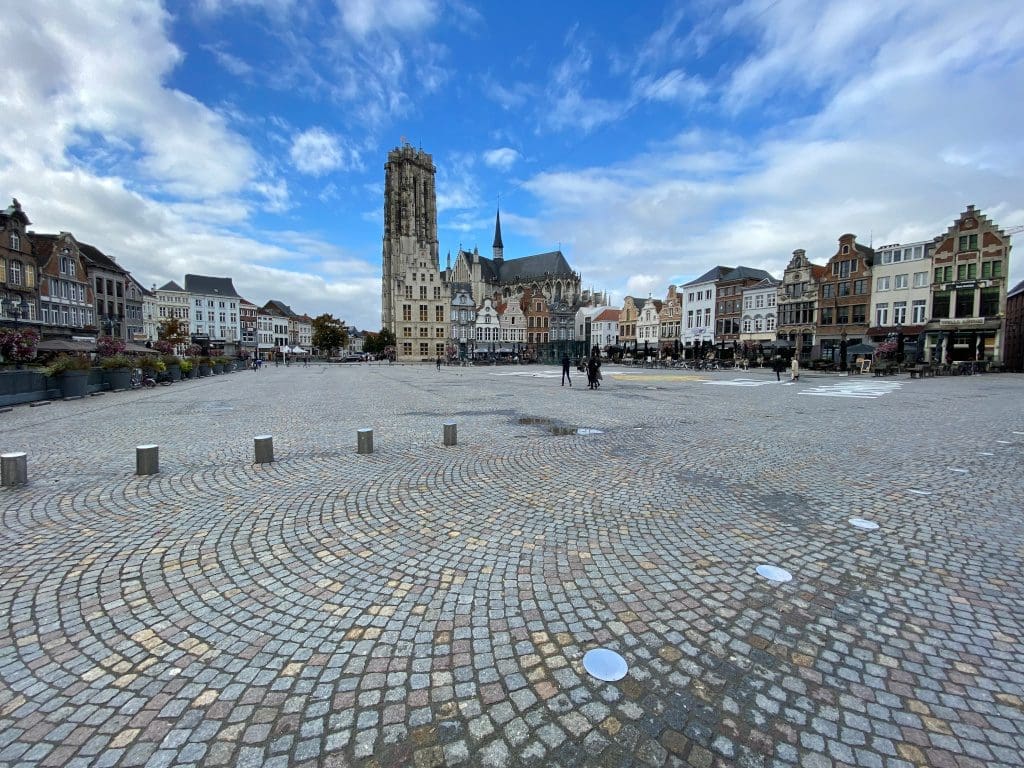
961, 322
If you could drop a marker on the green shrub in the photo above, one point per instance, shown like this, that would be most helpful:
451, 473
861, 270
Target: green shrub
117, 361
63, 363
152, 364
186, 366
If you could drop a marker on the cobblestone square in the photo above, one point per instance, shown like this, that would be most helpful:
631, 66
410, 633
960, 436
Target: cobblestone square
430, 606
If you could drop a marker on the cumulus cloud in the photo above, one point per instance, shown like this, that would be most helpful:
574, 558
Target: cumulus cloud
316, 152
502, 158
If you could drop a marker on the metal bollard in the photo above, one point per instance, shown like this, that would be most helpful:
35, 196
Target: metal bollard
450, 433
14, 468
264, 445
364, 440
147, 459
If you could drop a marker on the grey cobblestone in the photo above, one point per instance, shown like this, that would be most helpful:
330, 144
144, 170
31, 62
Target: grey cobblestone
428, 607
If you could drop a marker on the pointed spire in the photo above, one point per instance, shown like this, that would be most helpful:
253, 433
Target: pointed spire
498, 249
497, 231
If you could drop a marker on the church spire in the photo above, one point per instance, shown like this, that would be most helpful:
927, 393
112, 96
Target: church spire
498, 248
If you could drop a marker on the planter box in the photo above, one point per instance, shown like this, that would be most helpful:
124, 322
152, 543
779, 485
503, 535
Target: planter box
174, 371
204, 370
74, 384
119, 378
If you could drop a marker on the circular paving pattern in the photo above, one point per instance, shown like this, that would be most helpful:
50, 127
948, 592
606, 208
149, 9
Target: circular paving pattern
425, 605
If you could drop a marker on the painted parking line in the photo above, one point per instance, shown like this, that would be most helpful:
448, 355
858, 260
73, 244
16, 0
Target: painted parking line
865, 390
655, 377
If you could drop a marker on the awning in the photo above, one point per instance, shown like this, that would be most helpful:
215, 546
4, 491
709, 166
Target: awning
138, 349
66, 345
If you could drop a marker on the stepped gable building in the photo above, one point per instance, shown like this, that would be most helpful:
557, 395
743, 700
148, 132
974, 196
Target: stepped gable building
798, 304
970, 263
844, 296
415, 299
65, 293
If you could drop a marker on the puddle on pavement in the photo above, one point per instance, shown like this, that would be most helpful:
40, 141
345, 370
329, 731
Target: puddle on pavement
553, 427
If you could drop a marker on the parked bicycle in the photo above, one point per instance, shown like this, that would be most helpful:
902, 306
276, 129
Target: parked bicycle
140, 380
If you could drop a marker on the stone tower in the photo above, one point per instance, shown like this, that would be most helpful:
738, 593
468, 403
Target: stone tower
412, 290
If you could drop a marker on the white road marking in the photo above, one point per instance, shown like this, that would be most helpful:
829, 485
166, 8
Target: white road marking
863, 390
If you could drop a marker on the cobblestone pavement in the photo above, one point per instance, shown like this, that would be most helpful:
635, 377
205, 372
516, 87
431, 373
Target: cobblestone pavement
430, 606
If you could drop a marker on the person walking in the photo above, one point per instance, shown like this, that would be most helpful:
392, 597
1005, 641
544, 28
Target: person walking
794, 369
592, 370
565, 369
439, 362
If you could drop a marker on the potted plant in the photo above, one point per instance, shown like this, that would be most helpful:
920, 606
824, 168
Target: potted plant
205, 366
151, 366
186, 368
227, 365
173, 365
73, 373
218, 365
109, 346
119, 371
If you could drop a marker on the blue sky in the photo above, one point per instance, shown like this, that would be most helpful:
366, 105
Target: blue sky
650, 141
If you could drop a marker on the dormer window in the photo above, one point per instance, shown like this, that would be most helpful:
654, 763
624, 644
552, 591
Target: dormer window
846, 249
15, 242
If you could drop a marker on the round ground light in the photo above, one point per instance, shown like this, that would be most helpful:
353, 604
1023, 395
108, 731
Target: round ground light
605, 664
860, 522
774, 573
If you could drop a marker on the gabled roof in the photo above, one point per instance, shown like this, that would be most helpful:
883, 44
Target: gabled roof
658, 303
1018, 288
768, 282
525, 268
712, 275
171, 286
746, 273
280, 308
608, 314
210, 285
97, 258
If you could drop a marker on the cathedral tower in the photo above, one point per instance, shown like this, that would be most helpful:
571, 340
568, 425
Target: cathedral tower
413, 296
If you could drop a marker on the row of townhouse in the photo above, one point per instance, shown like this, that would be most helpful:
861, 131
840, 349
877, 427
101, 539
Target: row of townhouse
66, 289
944, 299
214, 316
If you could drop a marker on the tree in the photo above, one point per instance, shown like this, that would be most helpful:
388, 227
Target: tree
377, 343
329, 334
174, 331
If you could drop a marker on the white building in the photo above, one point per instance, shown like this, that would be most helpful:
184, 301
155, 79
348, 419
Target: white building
463, 320
513, 323
698, 319
759, 316
902, 289
604, 328
648, 325
164, 303
488, 327
215, 311
584, 322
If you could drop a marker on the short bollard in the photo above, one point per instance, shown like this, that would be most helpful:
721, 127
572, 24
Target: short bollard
147, 459
364, 440
450, 433
264, 445
14, 468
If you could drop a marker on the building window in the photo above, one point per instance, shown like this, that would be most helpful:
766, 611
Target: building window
769, 323
828, 290
424, 331
900, 281
408, 293
918, 311
423, 313
437, 289
407, 312
407, 331
826, 315
968, 243
844, 289
439, 314
989, 302
882, 284
964, 303
746, 326
882, 314
920, 279
407, 348
15, 241
899, 312
15, 272
860, 312
846, 249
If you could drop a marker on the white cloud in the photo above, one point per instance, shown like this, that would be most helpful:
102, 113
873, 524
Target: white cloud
362, 17
317, 152
502, 158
